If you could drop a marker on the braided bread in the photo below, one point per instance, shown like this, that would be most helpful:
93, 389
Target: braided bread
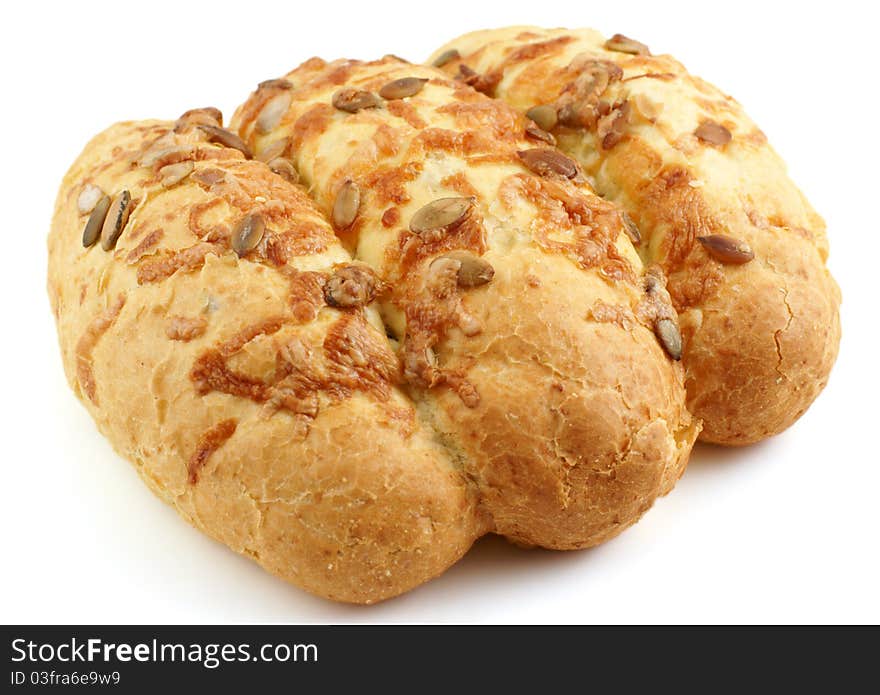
449, 334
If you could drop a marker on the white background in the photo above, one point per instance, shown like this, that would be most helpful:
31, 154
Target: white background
786, 531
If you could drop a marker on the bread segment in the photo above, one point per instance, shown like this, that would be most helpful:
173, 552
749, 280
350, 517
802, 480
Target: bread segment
270, 420
760, 336
546, 380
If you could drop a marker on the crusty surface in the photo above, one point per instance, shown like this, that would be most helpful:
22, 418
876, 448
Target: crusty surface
269, 420
759, 338
547, 382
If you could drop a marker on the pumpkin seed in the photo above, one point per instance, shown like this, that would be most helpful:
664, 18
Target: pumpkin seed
473, 270
115, 221
727, 249
713, 133
284, 168
624, 44
595, 77
96, 221
226, 138
172, 174
445, 57
247, 234
544, 116
346, 205
632, 231
88, 198
667, 332
207, 115
535, 132
272, 113
545, 162
353, 100
275, 84
274, 149
443, 213
402, 88
156, 154
577, 115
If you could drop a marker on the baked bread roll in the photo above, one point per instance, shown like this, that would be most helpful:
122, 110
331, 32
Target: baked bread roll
743, 250
196, 326
530, 334
520, 379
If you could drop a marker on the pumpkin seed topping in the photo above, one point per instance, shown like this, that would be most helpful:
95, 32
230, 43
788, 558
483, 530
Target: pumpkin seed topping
446, 57
713, 133
276, 148
545, 162
284, 168
272, 113
346, 205
172, 174
473, 271
226, 138
275, 84
537, 133
247, 234
727, 249
544, 116
443, 213
114, 223
207, 115
96, 221
353, 100
402, 88
624, 44
669, 336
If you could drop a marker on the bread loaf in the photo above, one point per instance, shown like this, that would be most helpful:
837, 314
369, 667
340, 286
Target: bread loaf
449, 334
199, 333
742, 248
528, 328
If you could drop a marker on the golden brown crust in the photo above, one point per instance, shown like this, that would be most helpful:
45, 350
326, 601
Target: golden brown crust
760, 338
570, 426
269, 419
